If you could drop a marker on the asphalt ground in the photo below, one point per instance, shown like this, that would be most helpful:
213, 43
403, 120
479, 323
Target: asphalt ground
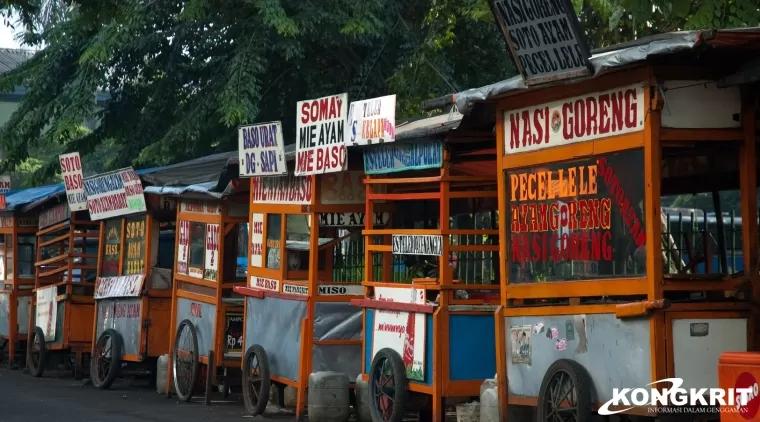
57, 397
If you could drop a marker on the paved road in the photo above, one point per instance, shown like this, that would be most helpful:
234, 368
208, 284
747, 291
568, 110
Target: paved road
27, 399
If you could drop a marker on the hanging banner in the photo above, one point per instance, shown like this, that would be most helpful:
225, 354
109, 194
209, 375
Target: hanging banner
210, 269
183, 247
73, 180
320, 130
544, 38
257, 240
372, 121
54, 215
261, 150
5, 187
420, 244
579, 119
114, 194
47, 311
282, 190
123, 286
403, 332
382, 159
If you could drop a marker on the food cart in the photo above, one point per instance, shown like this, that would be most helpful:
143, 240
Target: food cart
207, 316
61, 311
305, 265
133, 287
598, 293
17, 254
428, 311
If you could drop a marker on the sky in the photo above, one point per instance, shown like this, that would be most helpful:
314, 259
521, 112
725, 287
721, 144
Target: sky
6, 37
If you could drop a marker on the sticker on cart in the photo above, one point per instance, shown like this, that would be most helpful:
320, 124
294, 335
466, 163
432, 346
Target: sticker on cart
341, 290
561, 344
295, 289
403, 332
262, 283
47, 311
519, 337
748, 410
538, 327
569, 330
554, 332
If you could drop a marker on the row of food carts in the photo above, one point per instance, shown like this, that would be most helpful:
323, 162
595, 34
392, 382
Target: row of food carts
421, 258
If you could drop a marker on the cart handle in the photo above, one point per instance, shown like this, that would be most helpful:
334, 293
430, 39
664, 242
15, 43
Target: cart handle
637, 309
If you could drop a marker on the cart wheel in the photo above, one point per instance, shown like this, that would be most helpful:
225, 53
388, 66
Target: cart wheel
35, 360
256, 380
185, 360
106, 361
388, 387
565, 393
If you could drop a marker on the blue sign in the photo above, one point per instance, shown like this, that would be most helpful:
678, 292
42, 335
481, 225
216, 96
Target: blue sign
391, 158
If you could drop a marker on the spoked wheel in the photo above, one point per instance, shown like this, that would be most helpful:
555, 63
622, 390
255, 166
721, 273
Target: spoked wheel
565, 394
256, 380
106, 360
185, 363
35, 360
388, 387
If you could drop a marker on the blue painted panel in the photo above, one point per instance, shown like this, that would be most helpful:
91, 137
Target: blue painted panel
472, 347
369, 315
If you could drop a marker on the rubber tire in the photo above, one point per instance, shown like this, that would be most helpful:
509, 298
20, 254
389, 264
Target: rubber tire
401, 386
196, 363
583, 386
266, 382
117, 346
38, 371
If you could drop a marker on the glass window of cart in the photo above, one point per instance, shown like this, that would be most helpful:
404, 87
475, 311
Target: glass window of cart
577, 220
134, 245
26, 256
9, 270
236, 253
197, 249
273, 247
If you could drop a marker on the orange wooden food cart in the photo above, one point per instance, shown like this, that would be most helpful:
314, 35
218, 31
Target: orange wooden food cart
207, 316
17, 255
599, 290
428, 308
133, 287
61, 312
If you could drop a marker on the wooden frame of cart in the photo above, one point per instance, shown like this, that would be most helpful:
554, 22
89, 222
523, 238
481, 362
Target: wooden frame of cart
133, 288
593, 278
207, 316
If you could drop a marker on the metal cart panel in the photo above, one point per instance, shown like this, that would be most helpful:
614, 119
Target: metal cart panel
337, 321
203, 316
471, 347
124, 316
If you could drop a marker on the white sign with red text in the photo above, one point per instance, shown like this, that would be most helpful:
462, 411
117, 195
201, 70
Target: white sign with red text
403, 332
262, 283
183, 247
257, 239
73, 180
598, 115
47, 311
372, 121
292, 190
320, 133
211, 269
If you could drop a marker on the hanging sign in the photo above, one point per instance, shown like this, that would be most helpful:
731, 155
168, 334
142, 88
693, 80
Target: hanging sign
73, 180
5, 187
201, 207
134, 243
579, 119
349, 219
342, 188
109, 262
261, 150
210, 271
544, 38
372, 121
54, 215
234, 331
282, 190
114, 194
257, 240
382, 159
183, 247
320, 130
403, 332
47, 311
341, 290
417, 244
262, 283
295, 289
122, 286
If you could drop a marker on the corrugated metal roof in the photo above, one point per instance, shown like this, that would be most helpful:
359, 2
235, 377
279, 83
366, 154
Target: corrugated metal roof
10, 58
